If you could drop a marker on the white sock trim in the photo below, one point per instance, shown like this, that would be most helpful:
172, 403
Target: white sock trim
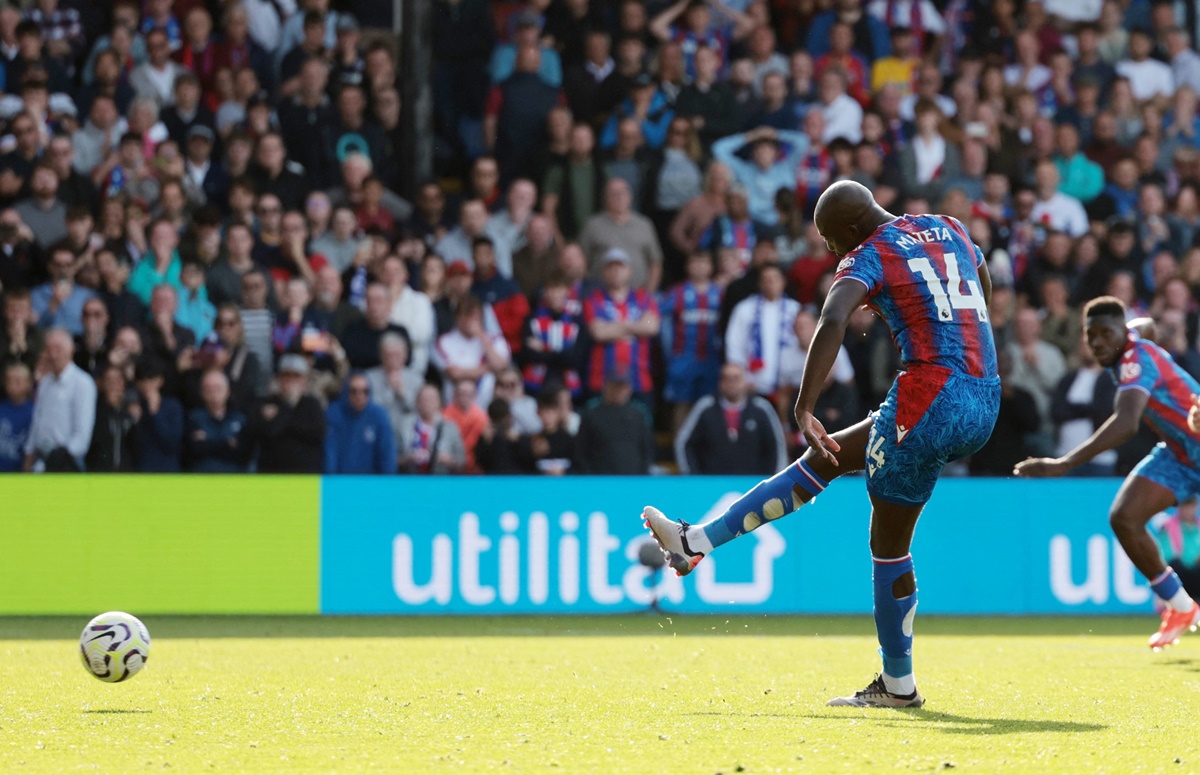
1181, 601
905, 684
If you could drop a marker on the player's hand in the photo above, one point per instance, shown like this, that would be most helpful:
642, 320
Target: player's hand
1194, 415
1038, 467
818, 438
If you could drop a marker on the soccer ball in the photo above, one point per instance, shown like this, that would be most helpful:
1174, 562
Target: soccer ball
114, 646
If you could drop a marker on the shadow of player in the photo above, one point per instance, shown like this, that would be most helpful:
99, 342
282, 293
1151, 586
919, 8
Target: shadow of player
117, 710
954, 724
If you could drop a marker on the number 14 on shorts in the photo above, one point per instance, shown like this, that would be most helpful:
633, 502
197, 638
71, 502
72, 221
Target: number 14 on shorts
947, 294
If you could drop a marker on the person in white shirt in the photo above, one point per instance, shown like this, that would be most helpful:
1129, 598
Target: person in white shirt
468, 351
761, 328
1027, 72
510, 223
156, 76
64, 412
1148, 77
843, 115
411, 309
1054, 208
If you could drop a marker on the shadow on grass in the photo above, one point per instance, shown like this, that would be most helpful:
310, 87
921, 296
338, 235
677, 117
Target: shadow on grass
117, 710
611, 625
953, 724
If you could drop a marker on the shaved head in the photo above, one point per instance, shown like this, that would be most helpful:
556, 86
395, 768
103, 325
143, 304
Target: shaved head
846, 214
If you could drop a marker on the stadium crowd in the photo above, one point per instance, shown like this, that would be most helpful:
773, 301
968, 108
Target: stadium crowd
207, 263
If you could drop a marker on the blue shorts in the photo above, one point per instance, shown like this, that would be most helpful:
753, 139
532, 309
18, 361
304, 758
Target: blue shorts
929, 418
1163, 468
689, 380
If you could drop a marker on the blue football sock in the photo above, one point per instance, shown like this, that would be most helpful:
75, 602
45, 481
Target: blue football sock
770, 499
894, 617
1167, 584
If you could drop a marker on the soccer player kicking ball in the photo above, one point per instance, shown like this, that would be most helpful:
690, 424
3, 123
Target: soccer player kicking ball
1148, 384
929, 282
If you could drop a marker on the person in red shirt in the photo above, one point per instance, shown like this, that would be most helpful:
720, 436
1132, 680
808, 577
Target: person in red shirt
842, 55
371, 212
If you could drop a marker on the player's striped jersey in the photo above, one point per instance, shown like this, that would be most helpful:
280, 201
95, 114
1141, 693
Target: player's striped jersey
1147, 367
922, 277
690, 318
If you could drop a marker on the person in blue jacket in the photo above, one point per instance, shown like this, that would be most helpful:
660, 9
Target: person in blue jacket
217, 440
158, 422
16, 416
359, 439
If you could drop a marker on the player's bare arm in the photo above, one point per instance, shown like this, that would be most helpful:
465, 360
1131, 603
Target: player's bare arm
985, 282
844, 298
1194, 415
1116, 430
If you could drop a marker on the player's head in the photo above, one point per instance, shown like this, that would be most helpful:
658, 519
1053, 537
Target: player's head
846, 215
1104, 327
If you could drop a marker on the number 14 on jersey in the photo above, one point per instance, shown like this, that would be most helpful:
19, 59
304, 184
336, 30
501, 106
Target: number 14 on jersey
947, 294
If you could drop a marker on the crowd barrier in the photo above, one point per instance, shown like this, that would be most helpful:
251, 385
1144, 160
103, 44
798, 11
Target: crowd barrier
496, 545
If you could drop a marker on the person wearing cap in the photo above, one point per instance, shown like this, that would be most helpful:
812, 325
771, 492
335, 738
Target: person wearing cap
205, 176
347, 65
289, 428
774, 156
528, 33
622, 321
618, 226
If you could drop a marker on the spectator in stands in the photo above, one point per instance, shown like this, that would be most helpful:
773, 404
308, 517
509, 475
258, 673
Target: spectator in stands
16, 416
573, 189
362, 336
1082, 401
550, 450
217, 435
691, 342
537, 258
359, 439
619, 227
394, 384
731, 432
91, 347
469, 351
1036, 366
64, 411
515, 119
43, 212
431, 444
511, 390
1061, 324
459, 244
614, 436
112, 438
1149, 78
498, 450
289, 426
843, 115
499, 292
60, 302
160, 265
155, 78
622, 321
708, 103
21, 341
159, 424
760, 329
837, 406
774, 156
930, 159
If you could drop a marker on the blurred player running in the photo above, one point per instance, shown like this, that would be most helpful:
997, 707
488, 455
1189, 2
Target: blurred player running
1149, 385
929, 282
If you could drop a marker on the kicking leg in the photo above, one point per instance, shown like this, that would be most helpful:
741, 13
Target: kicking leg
685, 545
895, 584
1140, 499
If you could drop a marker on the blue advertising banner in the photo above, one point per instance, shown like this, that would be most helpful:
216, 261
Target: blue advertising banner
500, 545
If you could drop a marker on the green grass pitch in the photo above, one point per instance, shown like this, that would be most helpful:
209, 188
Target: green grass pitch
606, 694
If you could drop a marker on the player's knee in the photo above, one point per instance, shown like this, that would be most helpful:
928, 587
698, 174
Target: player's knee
1124, 520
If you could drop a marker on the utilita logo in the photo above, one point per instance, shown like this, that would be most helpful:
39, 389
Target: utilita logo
538, 559
1099, 577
